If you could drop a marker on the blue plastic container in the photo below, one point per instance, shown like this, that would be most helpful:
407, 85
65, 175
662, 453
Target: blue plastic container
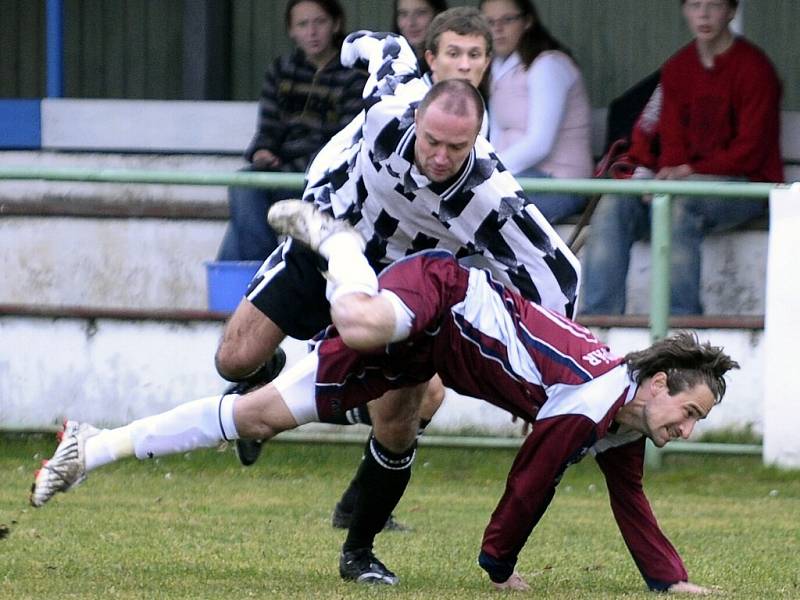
227, 282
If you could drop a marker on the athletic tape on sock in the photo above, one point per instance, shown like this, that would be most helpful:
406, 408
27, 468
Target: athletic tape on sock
227, 425
389, 460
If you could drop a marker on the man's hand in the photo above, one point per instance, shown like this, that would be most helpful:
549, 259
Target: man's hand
525, 429
514, 583
679, 172
265, 160
685, 587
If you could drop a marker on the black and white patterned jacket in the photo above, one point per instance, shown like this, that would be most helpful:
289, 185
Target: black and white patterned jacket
366, 174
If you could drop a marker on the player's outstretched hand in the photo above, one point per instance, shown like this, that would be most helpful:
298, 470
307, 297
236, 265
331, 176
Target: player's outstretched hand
686, 587
514, 583
525, 429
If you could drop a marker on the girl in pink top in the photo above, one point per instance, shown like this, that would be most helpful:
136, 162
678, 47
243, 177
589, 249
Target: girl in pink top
540, 117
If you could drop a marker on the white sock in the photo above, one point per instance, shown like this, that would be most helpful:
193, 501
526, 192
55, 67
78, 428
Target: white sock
348, 269
198, 424
342, 242
348, 274
108, 446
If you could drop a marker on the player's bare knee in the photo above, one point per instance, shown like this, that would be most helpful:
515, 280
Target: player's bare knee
232, 364
432, 399
262, 414
394, 436
363, 321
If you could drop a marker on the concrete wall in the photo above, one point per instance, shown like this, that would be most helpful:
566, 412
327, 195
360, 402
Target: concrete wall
111, 263
107, 372
781, 414
110, 372
732, 275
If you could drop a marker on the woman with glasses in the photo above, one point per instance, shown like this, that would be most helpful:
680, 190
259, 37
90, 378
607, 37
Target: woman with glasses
539, 112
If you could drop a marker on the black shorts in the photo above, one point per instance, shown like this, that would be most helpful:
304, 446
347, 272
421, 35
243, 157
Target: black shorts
290, 289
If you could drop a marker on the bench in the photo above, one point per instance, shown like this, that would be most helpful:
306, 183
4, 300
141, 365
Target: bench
199, 135
144, 126
203, 127
790, 139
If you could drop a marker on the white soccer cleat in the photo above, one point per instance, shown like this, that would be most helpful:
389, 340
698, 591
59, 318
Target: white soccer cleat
67, 467
304, 222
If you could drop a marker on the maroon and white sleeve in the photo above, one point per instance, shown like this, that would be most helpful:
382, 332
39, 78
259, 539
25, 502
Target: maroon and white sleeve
654, 555
551, 446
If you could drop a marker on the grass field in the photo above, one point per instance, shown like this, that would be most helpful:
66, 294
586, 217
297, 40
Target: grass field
201, 526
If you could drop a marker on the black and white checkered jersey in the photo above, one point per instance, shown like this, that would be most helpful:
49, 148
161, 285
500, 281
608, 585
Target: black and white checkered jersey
366, 174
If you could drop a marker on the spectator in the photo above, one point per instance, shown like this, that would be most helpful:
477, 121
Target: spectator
412, 19
457, 46
719, 120
306, 98
540, 117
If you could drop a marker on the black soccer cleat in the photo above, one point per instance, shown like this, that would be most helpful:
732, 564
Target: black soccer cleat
362, 566
341, 519
248, 451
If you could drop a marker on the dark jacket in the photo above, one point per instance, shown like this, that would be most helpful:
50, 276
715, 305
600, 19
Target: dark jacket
301, 108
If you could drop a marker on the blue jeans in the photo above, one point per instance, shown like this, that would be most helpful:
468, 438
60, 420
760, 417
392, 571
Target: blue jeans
619, 221
554, 207
248, 235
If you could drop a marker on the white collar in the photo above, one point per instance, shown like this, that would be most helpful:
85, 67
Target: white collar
501, 66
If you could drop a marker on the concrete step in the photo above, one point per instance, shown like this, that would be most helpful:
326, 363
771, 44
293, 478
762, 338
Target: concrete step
733, 271
158, 262
118, 263
110, 245
152, 253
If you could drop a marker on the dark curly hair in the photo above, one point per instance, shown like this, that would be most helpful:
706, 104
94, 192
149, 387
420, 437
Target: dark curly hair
463, 20
686, 362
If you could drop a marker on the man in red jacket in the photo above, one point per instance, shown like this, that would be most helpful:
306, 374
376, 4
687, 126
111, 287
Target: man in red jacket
719, 120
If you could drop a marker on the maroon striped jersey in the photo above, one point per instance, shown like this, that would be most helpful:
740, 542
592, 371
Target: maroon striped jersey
488, 342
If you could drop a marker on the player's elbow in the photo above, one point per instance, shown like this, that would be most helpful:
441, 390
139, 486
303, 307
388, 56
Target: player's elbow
359, 339
360, 323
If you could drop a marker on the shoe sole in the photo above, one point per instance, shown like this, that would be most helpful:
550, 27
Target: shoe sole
305, 223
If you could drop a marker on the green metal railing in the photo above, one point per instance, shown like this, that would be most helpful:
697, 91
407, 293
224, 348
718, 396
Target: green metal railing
661, 191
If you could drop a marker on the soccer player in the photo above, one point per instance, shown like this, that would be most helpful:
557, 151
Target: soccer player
412, 174
429, 314
458, 46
